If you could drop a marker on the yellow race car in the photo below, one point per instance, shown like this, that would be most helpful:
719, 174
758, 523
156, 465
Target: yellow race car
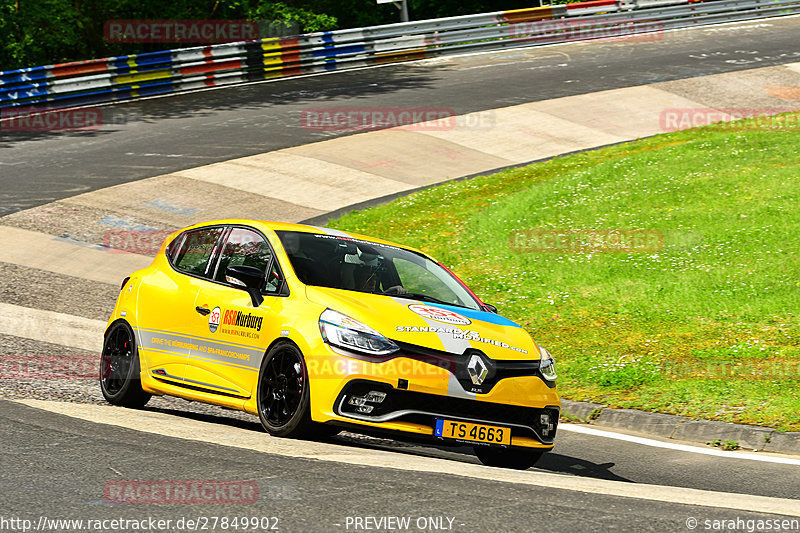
315, 330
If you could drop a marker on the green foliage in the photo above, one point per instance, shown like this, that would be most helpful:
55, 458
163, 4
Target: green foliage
32, 35
303, 20
705, 326
43, 32
728, 445
424, 9
623, 373
354, 13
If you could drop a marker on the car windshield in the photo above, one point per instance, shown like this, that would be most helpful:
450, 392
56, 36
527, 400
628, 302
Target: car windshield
365, 266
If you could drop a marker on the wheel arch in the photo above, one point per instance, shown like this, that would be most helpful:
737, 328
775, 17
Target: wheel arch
277, 341
130, 393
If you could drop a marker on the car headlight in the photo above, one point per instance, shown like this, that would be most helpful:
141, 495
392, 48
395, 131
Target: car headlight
341, 330
547, 365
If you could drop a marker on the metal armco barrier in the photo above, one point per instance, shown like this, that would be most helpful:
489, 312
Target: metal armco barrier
120, 78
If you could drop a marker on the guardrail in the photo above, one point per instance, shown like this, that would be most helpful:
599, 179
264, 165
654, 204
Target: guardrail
125, 77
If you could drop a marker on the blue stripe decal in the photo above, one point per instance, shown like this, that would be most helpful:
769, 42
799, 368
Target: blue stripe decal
339, 51
164, 374
23, 88
16, 94
473, 314
157, 58
121, 62
24, 74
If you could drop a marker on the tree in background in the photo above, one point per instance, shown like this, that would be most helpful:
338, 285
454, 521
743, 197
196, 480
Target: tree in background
304, 20
41, 32
36, 32
450, 8
359, 13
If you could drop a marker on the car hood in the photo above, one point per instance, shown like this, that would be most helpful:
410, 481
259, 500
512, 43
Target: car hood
436, 326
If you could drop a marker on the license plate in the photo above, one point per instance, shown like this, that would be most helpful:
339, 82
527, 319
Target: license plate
450, 429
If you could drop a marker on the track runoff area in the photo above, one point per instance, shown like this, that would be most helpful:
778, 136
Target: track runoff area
642, 498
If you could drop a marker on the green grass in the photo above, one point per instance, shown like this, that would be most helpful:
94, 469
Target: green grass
704, 327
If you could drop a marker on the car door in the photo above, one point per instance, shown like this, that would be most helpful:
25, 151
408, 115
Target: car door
230, 359
165, 304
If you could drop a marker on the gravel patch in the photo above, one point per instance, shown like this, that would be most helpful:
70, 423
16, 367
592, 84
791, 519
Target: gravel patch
40, 370
84, 224
44, 371
39, 289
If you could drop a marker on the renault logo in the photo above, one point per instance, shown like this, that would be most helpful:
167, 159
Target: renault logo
477, 369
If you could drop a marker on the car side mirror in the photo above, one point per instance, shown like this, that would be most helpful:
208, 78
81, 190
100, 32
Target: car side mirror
249, 278
490, 308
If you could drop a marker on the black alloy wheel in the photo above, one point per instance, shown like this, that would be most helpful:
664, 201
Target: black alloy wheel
119, 368
283, 396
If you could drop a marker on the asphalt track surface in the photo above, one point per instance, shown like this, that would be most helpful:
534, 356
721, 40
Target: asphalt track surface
57, 466
67, 464
148, 138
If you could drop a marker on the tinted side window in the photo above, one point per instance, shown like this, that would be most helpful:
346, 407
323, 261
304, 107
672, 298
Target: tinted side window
274, 278
196, 250
174, 247
248, 248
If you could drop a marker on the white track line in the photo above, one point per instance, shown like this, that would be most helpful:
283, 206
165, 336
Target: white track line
677, 447
34, 249
186, 428
52, 327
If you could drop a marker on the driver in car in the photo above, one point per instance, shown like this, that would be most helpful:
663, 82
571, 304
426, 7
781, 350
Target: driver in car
366, 280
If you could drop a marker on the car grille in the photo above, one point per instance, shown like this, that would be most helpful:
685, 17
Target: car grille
421, 408
457, 365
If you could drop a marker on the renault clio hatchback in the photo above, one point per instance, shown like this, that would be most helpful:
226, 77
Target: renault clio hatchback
314, 330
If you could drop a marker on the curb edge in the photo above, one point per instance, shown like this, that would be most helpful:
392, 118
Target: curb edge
755, 438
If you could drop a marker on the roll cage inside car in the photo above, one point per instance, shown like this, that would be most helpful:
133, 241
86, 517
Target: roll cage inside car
215, 267
349, 263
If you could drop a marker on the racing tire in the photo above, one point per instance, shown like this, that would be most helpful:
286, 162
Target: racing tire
514, 458
119, 368
283, 397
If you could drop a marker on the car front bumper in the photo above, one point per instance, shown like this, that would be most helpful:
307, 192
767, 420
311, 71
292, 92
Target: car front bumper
419, 392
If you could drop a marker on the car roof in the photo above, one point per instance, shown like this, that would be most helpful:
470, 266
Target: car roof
288, 226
